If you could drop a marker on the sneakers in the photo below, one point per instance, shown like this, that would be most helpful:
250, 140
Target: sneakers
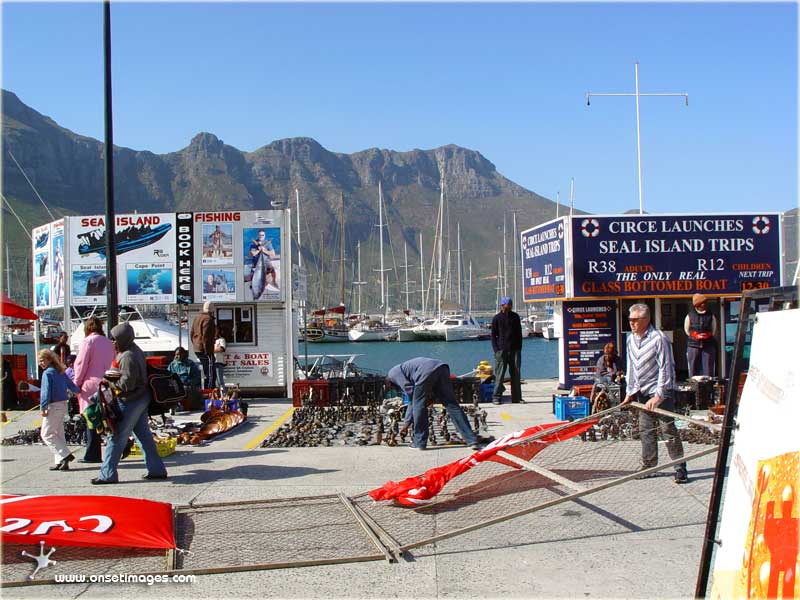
681, 477
413, 447
482, 441
647, 475
495, 400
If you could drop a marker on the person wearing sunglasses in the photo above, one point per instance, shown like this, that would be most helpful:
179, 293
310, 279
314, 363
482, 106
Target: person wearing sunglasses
651, 379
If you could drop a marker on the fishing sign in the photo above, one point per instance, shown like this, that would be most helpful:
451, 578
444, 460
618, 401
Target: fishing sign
543, 273
656, 255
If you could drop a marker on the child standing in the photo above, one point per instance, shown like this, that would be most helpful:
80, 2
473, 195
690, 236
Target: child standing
53, 405
219, 358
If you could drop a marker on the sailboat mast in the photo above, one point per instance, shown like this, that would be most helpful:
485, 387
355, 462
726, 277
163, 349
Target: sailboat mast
499, 280
405, 257
470, 287
458, 263
341, 248
380, 232
299, 244
359, 283
322, 269
439, 252
514, 262
421, 274
505, 259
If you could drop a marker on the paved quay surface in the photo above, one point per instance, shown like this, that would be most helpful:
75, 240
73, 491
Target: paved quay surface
641, 539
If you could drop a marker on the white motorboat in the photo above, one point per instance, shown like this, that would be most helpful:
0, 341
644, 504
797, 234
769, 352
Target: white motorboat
549, 332
153, 334
371, 331
539, 325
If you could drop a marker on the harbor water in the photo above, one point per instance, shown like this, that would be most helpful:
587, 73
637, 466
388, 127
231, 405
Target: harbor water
539, 356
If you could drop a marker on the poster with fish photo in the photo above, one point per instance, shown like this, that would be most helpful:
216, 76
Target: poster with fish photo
41, 265
217, 244
148, 282
57, 271
41, 294
219, 284
261, 248
88, 284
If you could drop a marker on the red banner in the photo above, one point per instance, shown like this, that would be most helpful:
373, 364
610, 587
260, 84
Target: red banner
86, 521
414, 491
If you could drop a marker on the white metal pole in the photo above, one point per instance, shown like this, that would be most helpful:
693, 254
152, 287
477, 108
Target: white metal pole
439, 252
380, 225
638, 141
470, 287
571, 195
421, 275
359, 278
405, 255
458, 263
514, 262
505, 259
299, 245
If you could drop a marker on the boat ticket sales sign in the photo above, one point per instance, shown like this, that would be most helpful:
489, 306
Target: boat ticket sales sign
543, 272
675, 255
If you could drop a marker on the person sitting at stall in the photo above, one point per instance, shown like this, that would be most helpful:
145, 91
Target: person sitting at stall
609, 366
186, 369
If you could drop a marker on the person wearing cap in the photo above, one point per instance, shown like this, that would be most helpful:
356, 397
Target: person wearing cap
133, 395
202, 336
422, 378
507, 346
701, 327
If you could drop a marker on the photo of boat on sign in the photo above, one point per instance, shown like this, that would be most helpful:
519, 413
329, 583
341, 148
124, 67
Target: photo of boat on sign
262, 250
130, 238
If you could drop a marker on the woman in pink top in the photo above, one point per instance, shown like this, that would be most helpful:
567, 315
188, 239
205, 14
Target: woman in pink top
95, 355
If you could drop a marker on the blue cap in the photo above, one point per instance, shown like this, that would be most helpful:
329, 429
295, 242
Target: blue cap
505, 300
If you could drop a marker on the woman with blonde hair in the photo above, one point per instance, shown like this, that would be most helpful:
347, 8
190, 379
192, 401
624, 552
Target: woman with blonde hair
54, 405
95, 355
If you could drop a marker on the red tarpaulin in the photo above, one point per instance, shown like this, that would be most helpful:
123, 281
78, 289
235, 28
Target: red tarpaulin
9, 308
418, 490
86, 521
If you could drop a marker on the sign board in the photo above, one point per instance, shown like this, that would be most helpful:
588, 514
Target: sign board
758, 529
655, 255
246, 366
543, 271
42, 266
588, 326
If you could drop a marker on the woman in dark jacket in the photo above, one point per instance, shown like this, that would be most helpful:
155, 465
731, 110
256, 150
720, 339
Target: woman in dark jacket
609, 366
133, 394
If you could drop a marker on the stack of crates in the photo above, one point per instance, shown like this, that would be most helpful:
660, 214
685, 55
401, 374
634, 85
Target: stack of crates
310, 392
569, 408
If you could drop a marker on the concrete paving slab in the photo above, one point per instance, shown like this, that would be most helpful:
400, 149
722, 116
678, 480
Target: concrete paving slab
641, 539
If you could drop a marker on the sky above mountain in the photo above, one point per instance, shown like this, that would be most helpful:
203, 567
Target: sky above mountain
508, 80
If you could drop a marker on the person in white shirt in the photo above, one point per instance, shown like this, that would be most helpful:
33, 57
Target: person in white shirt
219, 358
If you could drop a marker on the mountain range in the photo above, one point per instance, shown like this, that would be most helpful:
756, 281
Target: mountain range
67, 170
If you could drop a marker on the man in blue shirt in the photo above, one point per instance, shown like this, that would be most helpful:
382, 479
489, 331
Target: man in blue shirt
421, 378
651, 379
507, 346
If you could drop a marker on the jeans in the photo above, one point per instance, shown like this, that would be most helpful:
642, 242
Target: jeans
510, 360
649, 424
219, 371
134, 420
702, 361
53, 430
438, 385
93, 452
207, 366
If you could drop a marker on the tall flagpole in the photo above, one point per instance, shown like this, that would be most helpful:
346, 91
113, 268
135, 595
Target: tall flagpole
111, 252
638, 94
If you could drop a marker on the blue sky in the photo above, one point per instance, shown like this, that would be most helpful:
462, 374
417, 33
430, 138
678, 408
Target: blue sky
508, 80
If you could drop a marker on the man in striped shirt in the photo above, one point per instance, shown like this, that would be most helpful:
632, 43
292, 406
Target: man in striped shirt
651, 379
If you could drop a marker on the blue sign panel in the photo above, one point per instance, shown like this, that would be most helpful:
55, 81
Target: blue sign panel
588, 326
650, 255
543, 273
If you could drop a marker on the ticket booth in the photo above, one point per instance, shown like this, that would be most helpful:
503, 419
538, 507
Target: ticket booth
594, 268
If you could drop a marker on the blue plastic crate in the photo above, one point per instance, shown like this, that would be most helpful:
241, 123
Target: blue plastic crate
569, 408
